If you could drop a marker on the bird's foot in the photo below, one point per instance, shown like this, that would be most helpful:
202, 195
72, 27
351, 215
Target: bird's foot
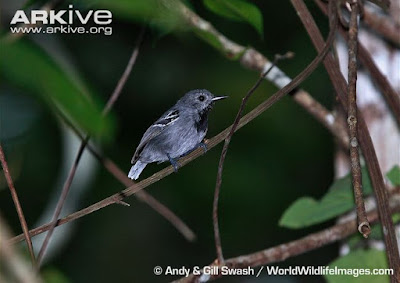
203, 146
174, 163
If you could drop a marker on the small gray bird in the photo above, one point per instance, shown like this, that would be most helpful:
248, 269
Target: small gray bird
176, 133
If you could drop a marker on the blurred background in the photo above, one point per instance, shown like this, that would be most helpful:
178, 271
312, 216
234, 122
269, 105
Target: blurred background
281, 155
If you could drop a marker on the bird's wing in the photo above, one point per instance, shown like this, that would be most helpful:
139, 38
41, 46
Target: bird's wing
154, 130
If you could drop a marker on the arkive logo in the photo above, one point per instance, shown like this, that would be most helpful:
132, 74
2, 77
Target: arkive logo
68, 21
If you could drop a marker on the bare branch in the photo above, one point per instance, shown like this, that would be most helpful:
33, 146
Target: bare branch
61, 200
225, 151
122, 81
18, 207
363, 224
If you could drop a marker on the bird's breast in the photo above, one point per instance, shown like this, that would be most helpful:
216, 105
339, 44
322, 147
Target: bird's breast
202, 124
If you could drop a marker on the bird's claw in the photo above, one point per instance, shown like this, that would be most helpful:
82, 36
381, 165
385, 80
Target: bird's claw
203, 146
174, 163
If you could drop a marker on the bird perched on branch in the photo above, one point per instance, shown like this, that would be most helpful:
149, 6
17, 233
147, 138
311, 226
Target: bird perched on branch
176, 133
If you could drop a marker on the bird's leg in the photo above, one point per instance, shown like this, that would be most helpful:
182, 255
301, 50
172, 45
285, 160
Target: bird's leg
174, 163
202, 145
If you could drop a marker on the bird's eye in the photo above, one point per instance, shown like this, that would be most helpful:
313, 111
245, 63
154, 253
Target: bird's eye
201, 97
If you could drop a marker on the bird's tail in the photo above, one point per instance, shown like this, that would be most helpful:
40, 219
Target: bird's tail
136, 169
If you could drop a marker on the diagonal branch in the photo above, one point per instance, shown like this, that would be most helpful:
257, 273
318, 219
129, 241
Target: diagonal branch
17, 204
68, 182
121, 83
363, 224
225, 151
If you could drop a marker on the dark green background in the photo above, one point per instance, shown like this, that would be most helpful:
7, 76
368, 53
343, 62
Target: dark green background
278, 157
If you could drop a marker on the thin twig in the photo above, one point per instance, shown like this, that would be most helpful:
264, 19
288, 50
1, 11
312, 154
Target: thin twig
18, 206
363, 224
371, 160
291, 249
198, 152
121, 83
71, 174
225, 150
61, 201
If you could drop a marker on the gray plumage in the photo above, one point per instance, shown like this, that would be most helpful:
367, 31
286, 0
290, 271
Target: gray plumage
177, 132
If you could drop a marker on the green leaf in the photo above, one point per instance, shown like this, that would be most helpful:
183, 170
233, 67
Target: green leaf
394, 175
32, 70
237, 10
339, 199
356, 263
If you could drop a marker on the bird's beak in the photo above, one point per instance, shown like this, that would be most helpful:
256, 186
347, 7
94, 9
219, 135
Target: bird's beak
219, 98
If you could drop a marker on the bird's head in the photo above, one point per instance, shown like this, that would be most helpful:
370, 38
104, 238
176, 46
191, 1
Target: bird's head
200, 100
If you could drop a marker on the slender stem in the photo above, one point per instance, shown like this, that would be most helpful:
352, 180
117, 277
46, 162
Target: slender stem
122, 81
225, 150
61, 201
18, 206
363, 224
